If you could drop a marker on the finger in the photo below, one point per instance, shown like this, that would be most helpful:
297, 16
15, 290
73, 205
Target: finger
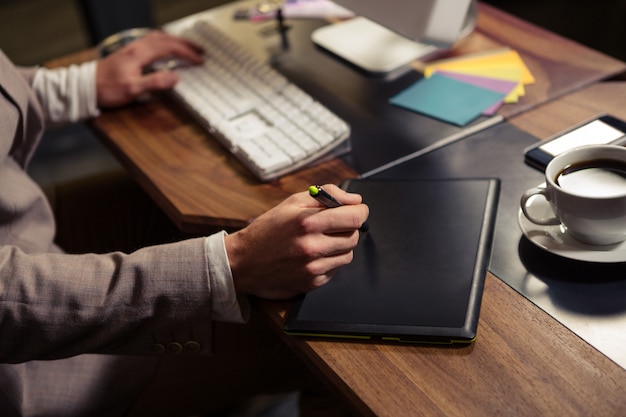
341, 195
304, 198
347, 218
340, 243
326, 246
184, 50
326, 267
321, 280
160, 80
157, 45
311, 283
163, 38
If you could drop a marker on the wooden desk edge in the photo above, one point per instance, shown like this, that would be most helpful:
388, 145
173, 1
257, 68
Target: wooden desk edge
531, 339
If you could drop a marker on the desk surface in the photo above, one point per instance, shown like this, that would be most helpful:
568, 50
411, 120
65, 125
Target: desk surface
163, 148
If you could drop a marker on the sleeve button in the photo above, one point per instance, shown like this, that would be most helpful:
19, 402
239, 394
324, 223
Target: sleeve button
157, 348
193, 346
174, 347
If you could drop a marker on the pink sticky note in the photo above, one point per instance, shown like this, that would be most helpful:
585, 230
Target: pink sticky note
494, 84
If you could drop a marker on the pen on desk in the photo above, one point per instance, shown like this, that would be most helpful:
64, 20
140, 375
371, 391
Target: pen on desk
282, 28
321, 195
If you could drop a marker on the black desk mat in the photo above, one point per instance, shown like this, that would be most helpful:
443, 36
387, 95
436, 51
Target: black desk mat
588, 298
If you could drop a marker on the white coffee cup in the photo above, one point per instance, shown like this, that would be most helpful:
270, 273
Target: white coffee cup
586, 188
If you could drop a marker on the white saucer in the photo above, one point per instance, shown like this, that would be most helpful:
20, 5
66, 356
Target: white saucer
556, 240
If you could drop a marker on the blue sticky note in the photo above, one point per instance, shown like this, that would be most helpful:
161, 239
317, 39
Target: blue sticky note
447, 99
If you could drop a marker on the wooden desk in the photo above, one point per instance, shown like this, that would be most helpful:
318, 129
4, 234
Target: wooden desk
555, 116
524, 363
201, 186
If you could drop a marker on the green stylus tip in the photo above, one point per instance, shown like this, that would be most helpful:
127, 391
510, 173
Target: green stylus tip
313, 190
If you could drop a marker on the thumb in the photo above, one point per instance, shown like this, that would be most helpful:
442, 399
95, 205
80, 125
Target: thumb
159, 80
343, 196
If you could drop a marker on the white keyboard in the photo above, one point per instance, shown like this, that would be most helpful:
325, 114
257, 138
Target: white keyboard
267, 122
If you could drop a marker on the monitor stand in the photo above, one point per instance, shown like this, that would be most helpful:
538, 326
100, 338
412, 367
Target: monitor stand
370, 46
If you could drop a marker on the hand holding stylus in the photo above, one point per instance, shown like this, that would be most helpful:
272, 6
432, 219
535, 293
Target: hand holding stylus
298, 245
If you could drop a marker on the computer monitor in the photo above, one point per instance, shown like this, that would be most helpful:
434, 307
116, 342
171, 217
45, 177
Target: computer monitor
387, 35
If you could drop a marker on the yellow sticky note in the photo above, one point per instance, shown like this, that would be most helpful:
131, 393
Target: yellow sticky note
497, 58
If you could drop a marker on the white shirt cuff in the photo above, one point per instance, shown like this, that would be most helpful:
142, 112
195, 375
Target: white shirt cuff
227, 305
67, 94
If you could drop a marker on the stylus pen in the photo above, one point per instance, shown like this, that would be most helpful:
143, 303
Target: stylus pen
321, 195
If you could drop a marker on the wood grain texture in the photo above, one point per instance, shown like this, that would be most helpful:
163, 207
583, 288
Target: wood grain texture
523, 363
555, 116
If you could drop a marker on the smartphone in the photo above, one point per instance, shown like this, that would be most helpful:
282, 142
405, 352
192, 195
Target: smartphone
603, 129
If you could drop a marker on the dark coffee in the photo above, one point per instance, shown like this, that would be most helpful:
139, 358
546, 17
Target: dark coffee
594, 178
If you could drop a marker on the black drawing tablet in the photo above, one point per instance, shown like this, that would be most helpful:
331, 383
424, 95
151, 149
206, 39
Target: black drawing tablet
418, 273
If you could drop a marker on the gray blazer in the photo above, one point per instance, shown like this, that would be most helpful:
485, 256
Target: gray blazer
68, 323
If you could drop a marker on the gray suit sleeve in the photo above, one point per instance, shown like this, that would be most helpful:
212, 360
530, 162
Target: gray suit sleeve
151, 302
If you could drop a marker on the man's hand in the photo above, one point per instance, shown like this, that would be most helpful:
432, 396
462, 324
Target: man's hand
295, 247
120, 76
